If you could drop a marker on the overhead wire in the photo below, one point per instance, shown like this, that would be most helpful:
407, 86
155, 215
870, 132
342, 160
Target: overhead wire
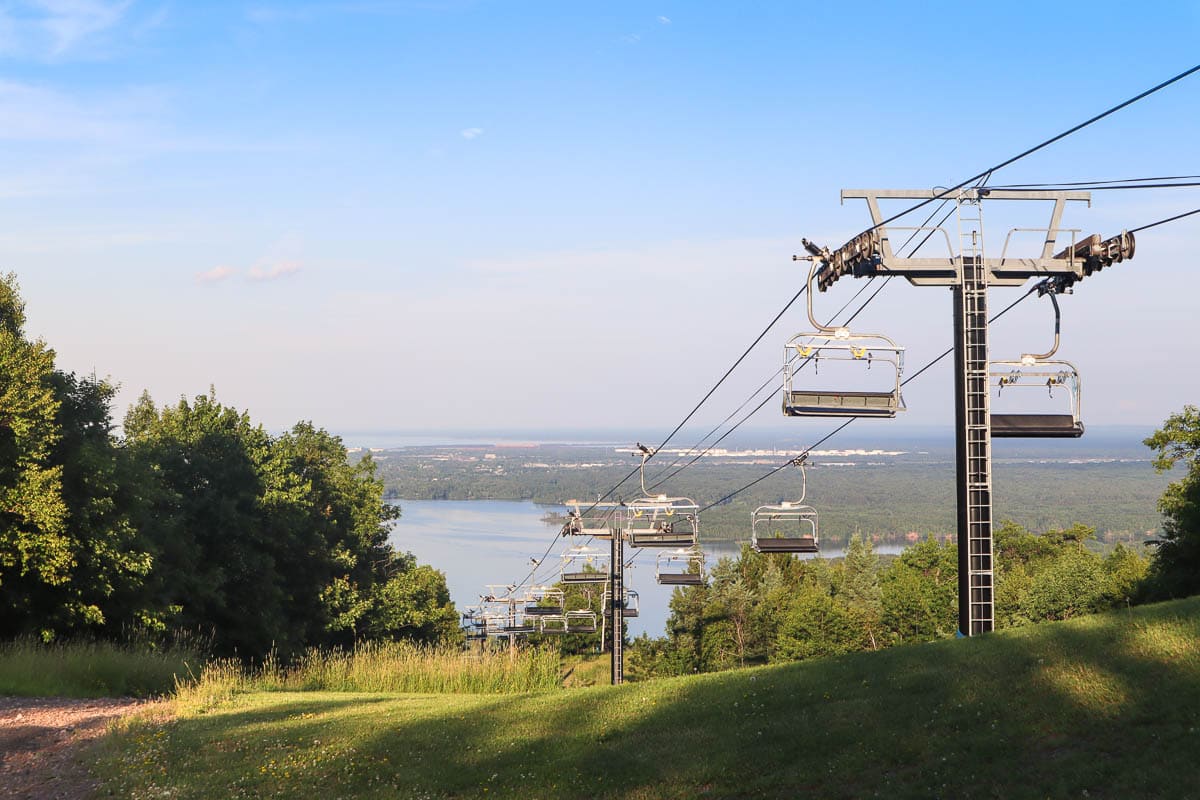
1105, 187
1040, 146
1165, 221
1050, 184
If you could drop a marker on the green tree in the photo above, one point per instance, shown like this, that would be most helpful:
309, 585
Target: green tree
1125, 575
35, 551
817, 625
111, 561
1175, 568
1068, 585
217, 563
920, 593
860, 588
268, 542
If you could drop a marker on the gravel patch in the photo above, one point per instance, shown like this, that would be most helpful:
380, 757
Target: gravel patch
43, 741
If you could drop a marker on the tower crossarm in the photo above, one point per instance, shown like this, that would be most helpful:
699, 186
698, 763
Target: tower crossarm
870, 253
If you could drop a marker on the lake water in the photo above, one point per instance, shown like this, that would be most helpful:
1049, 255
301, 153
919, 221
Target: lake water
481, 542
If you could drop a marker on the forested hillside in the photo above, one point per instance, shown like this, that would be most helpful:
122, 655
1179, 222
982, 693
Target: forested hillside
888, 496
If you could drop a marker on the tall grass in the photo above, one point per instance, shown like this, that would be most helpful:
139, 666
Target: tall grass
91, 669
381, 667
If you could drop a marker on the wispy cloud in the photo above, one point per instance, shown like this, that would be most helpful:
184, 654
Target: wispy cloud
70, 22
56, 30
215, 275
472, 133
274, 272
664, 20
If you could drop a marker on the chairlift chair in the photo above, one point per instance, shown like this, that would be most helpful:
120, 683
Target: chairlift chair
631, 602
1038, 371
543, 601
583, 564
663, 522
474, 625
581, 621
594, 520
788, 527
553, 625
494, 623
683, 567
834, 348
659, 520
517, 623
784, 528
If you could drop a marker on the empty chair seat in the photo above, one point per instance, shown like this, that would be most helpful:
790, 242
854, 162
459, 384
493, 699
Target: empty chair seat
800, 544
584, 577
643, 538
1036, 426
818, 403
542, 611
680, 579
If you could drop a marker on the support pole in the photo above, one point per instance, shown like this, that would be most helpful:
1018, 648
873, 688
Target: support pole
973, 457
616, 594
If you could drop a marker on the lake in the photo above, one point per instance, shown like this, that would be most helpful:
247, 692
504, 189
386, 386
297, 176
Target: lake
481, 542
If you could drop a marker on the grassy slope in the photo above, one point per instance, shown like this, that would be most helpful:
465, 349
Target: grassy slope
1107, 706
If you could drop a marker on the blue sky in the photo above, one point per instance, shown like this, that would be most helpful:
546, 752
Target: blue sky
484, 215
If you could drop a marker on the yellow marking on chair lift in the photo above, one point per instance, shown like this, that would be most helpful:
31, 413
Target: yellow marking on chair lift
858, 352
804, 351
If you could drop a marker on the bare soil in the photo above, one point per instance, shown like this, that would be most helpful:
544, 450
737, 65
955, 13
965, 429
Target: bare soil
43, 742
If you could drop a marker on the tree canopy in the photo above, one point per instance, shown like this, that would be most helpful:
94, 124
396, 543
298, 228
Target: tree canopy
1176, 567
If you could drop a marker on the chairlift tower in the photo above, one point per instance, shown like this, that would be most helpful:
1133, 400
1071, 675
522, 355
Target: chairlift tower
969, 272
616, 609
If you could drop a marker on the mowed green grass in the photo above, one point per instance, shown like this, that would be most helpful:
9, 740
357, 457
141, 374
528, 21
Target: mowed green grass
1106, 706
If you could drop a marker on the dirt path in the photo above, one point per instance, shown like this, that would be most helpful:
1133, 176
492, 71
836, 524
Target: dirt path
41, 742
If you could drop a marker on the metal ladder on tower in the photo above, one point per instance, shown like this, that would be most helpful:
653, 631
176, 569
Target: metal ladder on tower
978, 426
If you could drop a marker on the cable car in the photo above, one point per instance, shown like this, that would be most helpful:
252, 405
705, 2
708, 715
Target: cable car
1043, 372
844, 356
789, 527
631, 602
583, 564
683, 567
